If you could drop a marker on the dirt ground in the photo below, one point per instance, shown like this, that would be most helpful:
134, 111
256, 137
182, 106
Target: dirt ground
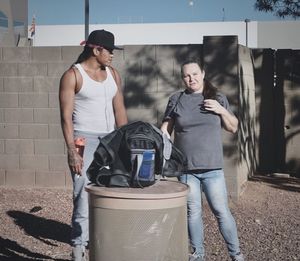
34, 223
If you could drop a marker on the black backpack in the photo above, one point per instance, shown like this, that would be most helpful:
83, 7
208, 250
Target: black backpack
131, 156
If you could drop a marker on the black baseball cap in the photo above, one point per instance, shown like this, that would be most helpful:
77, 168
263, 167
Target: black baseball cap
101, 38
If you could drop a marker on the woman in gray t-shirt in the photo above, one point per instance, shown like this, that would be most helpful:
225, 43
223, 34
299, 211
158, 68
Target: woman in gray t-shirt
197, 115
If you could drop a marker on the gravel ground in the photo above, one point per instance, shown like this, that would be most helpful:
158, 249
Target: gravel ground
34, 223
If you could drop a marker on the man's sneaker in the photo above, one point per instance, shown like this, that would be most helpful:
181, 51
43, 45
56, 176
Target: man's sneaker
78, 253
238, 257
195, 257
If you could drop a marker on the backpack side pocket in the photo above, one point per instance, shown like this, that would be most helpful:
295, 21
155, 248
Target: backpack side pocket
143, 166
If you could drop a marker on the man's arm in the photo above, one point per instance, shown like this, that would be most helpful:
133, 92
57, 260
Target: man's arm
66, 101
118, 101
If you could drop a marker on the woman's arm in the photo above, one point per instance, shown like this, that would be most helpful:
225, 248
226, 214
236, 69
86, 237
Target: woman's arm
230, 122
167, 127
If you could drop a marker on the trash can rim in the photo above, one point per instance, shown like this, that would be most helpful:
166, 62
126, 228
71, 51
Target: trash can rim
160, 190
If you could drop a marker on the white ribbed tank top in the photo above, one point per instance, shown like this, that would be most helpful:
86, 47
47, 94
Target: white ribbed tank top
93, 109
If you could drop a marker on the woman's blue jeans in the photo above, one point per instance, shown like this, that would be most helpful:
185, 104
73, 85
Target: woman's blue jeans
213, 185
80, 217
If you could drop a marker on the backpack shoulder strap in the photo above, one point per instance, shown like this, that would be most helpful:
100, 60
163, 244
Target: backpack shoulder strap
177, 101
109, 152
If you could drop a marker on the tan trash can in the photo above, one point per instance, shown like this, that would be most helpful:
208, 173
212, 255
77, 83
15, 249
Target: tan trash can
138, 224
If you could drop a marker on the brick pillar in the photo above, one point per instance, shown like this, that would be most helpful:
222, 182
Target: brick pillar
221, 63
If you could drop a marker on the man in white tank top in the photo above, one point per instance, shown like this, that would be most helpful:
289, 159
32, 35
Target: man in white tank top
91, 106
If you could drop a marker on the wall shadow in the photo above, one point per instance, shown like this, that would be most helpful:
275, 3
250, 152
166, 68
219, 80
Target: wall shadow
277, 80
287, 107
288, 184
140, 76
293, 163
263, 60
279, 110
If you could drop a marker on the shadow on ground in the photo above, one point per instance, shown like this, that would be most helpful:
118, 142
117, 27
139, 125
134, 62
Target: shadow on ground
279, 182
46, 230
11, 251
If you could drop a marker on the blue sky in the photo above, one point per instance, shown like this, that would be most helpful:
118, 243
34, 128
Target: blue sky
50, 12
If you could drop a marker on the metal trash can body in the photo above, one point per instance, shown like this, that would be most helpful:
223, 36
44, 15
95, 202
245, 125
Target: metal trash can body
138, 224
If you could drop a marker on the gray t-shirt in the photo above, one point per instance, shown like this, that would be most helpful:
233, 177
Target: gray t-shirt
197, 131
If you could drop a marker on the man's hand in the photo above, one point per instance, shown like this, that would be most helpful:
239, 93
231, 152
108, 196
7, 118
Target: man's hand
75, 161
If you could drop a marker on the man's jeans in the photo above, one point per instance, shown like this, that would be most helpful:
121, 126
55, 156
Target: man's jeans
80, 218
213, 185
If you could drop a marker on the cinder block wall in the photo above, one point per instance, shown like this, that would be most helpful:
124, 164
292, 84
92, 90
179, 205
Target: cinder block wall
32, 149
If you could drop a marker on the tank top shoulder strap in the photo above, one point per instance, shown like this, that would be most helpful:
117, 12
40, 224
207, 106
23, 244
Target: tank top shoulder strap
109, 73
80, 69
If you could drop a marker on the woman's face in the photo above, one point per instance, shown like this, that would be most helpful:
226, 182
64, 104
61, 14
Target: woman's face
193, 76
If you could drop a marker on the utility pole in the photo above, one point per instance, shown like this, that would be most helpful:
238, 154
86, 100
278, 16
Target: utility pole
247, 21
223, 10
86, 19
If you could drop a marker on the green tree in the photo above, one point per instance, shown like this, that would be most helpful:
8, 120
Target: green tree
281, 8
